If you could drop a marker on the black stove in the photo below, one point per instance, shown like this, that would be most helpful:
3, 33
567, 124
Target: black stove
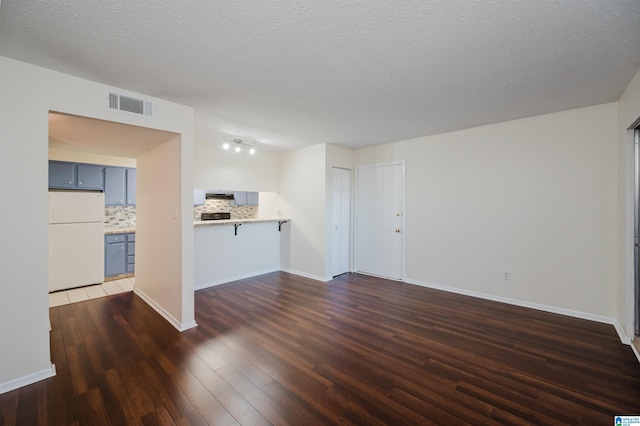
215, 216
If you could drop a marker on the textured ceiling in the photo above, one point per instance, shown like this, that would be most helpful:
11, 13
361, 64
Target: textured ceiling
290, 73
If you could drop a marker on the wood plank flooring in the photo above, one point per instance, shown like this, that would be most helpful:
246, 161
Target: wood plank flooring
284, 350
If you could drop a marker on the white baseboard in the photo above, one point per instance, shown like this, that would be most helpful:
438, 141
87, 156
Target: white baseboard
166, 315
236, 278
304, 274
621, 334
188, 325
540, 307
28, 379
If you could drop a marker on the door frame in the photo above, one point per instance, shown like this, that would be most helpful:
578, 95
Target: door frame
403, 204
636, 232
628, 330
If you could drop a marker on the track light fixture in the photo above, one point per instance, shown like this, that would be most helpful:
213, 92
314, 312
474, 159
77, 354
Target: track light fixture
237, 145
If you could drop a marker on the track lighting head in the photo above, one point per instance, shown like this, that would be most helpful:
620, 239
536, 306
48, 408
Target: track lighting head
237, 145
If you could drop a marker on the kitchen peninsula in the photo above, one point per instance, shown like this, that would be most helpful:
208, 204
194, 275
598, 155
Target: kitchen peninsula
233, 249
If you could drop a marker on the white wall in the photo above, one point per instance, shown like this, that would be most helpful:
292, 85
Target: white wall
216, 168
28, 94
268, 203
534, 196
303, 196
628, 114
159, 265
24, 328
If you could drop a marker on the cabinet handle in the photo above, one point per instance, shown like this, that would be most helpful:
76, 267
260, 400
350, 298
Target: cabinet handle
79, 183
70, 182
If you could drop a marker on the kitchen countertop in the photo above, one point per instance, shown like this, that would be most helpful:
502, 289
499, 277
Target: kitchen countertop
108, 231
199, 223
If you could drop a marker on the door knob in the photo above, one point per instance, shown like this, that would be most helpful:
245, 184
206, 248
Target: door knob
397, 230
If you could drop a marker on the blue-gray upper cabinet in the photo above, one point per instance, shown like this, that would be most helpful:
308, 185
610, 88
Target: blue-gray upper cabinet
65, 175
199, 197
131, 187
61, 175
89, 176
115, 186
252, 198
242, 198
119, 186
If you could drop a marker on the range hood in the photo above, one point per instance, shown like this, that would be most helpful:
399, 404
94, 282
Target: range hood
219, 195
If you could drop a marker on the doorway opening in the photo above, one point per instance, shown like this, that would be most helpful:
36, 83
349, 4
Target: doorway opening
106, 151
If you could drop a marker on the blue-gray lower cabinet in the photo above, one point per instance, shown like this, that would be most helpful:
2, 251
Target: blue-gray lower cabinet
119, 252
131, 253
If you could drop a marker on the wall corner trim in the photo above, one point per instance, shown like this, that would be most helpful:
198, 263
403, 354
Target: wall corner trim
635, 351
306, 275
166, 315
28, 379
621, 334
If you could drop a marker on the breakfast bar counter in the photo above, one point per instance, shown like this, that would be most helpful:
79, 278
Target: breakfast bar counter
242, 249
199, 223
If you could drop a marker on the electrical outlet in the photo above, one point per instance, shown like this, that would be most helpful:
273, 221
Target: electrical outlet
506, 275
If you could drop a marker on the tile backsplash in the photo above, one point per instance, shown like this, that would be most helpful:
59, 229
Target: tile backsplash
125, 216
120, 216
237, 212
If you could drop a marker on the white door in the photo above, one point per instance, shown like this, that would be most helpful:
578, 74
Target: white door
341, 179
379, 220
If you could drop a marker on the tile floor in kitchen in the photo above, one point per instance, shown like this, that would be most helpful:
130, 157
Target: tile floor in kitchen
91, 292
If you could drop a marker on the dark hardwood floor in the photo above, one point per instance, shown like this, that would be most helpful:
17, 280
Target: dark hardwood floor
281, 349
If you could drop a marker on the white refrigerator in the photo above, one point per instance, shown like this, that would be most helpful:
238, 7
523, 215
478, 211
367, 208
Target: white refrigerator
76, 239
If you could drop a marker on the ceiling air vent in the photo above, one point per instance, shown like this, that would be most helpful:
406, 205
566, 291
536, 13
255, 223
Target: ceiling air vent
129, 104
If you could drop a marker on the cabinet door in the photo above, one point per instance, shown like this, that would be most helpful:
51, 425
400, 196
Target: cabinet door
61, 175
199, 197
115, 258
240, 198
131, 253
89, 176
131, 187
114, 186
252, 198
